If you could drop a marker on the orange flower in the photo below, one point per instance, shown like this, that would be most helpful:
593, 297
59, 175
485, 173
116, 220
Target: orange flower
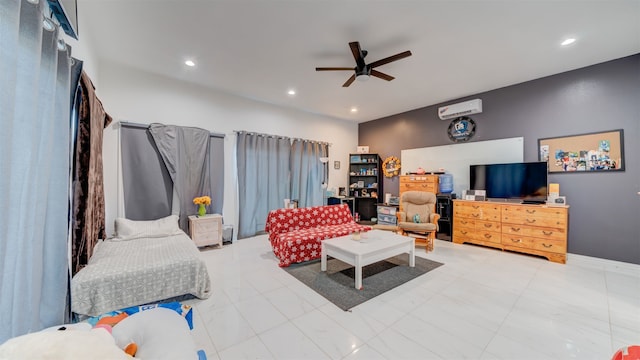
202, 200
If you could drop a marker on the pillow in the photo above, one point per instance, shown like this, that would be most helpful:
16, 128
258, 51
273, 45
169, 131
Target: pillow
133, 229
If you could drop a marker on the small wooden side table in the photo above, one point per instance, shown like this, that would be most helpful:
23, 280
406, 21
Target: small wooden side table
206, 230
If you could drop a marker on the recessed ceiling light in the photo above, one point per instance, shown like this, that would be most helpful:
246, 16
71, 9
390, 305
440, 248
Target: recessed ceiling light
354, 109
190, 63
568, 41
291, 92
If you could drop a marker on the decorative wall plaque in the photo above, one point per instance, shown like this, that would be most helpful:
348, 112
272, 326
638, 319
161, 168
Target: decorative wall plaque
461, 129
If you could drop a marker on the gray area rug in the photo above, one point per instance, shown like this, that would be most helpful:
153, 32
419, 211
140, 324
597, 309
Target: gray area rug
337, 284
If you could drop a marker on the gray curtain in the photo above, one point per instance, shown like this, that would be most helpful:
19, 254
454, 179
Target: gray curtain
147, 185
34, 163
263, 179
216, 172
307, 172
185, 151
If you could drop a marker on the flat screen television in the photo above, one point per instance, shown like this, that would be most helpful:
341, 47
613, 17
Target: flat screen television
516, 182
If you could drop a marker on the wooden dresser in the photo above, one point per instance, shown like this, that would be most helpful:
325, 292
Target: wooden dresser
418, 183
532, 229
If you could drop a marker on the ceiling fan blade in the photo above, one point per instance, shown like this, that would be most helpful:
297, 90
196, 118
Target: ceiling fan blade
355, 50
358, 54
381, 75
333, 68
389, 59
349, 81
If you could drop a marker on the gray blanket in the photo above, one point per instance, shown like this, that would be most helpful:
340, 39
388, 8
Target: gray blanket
140, 271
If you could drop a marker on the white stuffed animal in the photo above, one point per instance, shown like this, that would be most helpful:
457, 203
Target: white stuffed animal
72, 343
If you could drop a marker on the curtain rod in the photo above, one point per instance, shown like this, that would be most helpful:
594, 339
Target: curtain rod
146, 126
280, 136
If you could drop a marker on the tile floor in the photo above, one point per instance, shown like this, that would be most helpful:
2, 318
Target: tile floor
482, 304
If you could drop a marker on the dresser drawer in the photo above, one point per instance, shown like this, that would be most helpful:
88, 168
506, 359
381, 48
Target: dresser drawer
538, 232
482, 225
537, 216
492, 239
526, 242
429, 187
460, 222
206, 225
479, 225
475, 235
477, 211
551, 245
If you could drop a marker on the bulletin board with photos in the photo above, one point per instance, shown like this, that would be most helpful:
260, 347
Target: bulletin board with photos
592, 152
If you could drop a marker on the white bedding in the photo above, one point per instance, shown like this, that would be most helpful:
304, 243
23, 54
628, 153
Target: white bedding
139, 271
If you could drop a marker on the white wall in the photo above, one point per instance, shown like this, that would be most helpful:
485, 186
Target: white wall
140, 97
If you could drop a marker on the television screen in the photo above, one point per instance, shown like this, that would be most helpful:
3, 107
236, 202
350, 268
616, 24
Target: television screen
517, 181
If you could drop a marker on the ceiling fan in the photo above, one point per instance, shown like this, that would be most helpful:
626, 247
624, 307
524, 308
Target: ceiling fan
363, 70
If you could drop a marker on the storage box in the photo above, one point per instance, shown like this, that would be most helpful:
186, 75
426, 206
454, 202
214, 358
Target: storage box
387, 219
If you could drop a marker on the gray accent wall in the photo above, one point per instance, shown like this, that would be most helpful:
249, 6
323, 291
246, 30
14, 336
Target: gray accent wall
604, 214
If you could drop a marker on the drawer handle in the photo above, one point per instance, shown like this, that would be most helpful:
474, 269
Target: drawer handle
475, 215
547, 246
531, 211
463, 232
547, 232
531, 221
464, 222
516, 240
488, 236
515, 229
488, 225
475, 206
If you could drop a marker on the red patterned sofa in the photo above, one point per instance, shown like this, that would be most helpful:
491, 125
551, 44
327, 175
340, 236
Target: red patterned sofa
295, 234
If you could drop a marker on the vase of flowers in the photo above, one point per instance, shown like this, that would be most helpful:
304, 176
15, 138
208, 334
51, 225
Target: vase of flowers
202, 202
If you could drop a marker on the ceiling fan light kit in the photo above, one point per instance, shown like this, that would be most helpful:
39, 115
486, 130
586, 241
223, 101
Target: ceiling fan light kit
363, 71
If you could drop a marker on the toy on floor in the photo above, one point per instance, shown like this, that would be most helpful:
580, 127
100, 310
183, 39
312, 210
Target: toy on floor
70, 342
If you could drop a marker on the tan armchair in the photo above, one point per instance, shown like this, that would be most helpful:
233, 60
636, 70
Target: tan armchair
422, 204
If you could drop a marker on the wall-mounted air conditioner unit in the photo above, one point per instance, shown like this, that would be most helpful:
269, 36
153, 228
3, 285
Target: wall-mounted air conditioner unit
460, 109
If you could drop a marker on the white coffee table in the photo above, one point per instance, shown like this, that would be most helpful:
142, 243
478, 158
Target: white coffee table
374, 246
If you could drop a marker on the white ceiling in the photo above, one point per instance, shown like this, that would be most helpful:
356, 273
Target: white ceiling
261, 48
